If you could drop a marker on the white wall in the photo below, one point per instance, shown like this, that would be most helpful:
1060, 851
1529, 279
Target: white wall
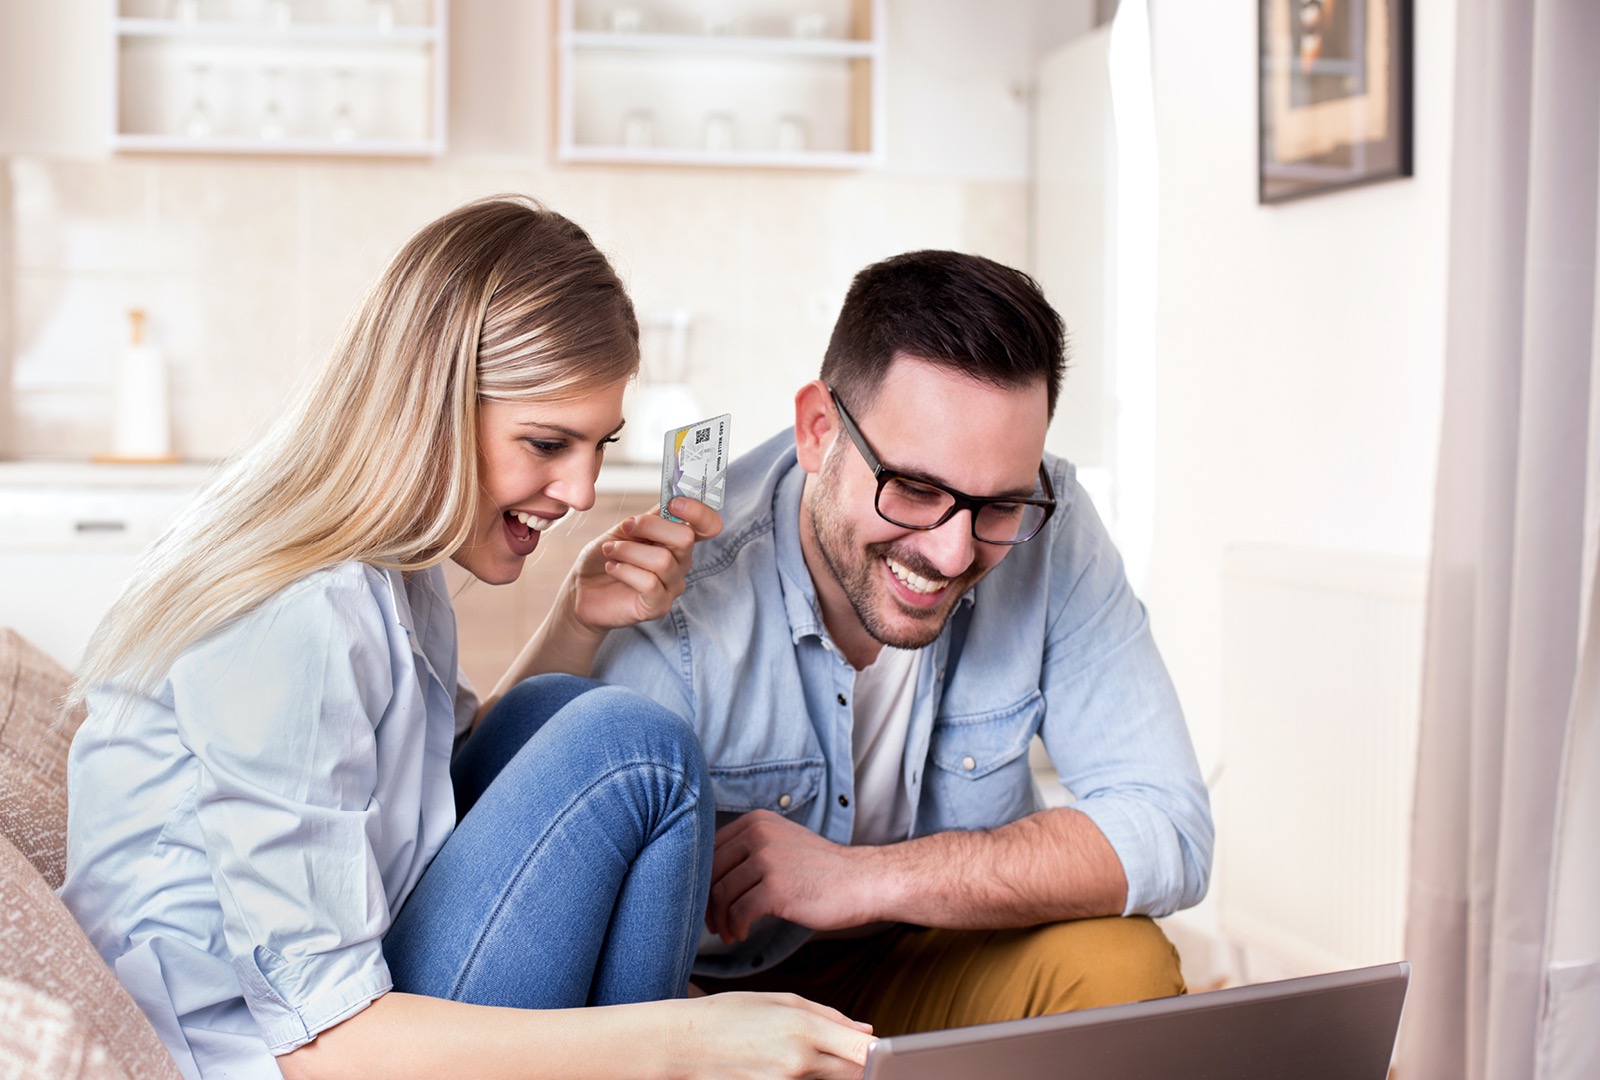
961, 79
1301, 345
1073, 230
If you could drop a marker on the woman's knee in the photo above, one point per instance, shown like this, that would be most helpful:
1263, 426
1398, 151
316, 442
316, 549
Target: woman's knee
538, 698
636, 725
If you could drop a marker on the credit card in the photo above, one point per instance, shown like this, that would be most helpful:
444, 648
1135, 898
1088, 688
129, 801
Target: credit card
694, 462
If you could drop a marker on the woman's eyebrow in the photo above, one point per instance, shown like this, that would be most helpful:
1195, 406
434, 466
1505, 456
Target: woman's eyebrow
571, 433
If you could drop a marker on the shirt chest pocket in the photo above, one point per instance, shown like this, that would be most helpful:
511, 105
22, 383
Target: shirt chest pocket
785, 787
980, 775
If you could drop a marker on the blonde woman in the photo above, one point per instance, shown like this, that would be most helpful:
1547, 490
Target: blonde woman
264, 839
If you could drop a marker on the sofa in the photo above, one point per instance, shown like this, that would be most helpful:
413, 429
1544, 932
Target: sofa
63, 1014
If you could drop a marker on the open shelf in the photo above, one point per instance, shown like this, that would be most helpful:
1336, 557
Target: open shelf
239, 77
789, 84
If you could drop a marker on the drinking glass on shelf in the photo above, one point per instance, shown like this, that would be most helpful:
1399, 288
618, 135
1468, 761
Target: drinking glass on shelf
383, 14
272, 123
197, 118
809, 24
279, 13
186, 11
344, 113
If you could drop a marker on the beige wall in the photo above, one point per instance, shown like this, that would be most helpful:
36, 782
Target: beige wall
247, 269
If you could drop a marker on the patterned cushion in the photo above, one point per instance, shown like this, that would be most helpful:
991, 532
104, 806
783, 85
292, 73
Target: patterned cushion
42, 948
40, 1036
34, 737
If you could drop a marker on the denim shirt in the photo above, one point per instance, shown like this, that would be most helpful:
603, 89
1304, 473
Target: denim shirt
1052, 642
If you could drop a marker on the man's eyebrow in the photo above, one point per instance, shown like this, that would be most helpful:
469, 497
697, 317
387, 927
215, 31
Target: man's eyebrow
928, 478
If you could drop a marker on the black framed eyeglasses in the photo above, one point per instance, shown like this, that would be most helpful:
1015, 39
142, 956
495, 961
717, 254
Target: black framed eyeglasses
914, 503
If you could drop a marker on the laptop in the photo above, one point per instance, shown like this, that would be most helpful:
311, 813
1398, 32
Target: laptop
1338, 1026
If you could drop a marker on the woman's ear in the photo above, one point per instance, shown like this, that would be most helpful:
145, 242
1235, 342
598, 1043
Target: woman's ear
815, 424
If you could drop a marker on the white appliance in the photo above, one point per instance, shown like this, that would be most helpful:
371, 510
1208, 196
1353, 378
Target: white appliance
660, 399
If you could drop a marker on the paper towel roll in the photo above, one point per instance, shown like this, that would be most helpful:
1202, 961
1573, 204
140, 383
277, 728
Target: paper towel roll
142, 426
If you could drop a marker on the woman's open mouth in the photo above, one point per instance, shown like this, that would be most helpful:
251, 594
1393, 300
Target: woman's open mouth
522, 530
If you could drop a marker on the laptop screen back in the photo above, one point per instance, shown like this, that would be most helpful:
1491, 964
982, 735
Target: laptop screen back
1339, 1026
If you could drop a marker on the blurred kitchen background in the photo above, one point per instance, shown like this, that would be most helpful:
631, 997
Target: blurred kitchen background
1255, 393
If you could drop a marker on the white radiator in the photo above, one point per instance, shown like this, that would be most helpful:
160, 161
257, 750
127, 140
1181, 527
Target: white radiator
1322, 665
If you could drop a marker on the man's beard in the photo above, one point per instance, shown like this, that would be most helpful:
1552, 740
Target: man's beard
856, 569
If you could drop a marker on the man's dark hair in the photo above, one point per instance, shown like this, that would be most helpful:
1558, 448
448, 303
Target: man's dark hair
970, 314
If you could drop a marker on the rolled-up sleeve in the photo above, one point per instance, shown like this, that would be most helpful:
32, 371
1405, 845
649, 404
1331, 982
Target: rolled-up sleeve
280, 712
1115, 730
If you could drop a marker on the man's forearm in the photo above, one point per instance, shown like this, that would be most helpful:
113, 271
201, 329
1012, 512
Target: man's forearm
1043, 868
1046, 867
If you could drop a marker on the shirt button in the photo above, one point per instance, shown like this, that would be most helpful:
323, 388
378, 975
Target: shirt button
784, 800
841, 699
844, 800
968, 764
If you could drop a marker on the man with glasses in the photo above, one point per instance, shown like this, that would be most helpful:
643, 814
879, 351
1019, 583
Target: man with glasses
906, 591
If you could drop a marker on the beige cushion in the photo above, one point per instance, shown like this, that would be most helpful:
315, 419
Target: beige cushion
43, 948
34, 737
41, 1037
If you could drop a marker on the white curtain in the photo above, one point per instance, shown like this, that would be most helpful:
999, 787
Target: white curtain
1504, 921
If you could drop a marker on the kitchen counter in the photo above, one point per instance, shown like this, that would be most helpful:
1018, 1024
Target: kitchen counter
614, 476
70, 532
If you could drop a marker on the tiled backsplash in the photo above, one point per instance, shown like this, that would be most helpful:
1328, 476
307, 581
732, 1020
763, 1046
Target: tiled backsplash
247, 269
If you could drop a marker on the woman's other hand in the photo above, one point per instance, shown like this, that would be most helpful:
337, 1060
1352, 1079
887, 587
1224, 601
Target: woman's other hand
636, 570
739, 1035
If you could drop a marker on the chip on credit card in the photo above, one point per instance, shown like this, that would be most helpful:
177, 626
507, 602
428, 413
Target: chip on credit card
695, 463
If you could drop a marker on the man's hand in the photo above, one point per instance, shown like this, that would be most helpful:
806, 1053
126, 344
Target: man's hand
1048, 866
765, 864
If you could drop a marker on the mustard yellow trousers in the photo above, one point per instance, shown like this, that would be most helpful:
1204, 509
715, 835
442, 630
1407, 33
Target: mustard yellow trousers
908, 978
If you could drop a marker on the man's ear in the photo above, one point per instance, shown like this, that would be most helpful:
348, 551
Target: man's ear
815, 424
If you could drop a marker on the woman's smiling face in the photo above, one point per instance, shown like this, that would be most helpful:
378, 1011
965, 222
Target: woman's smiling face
536, 461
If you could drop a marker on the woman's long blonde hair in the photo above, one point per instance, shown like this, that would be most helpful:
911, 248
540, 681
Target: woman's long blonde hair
377, 459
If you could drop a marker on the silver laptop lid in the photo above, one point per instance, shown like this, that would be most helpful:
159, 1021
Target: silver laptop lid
1338, 1026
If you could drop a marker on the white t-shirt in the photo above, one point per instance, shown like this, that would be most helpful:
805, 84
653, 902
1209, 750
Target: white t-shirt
881, 715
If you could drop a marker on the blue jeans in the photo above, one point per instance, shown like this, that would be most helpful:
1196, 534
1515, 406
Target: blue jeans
578, 870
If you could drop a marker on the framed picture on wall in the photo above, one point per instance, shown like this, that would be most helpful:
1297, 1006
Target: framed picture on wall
1335, 95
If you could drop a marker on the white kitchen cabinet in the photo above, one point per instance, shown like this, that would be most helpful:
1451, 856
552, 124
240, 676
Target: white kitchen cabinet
362, 77
69, 537
785, 83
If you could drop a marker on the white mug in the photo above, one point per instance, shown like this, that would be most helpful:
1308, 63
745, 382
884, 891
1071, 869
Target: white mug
639, 128
791, 133
719, 134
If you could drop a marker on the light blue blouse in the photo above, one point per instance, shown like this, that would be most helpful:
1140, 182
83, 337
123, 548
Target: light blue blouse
239, 842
